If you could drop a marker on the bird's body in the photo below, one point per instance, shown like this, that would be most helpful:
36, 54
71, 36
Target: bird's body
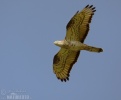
77, 30
76, 46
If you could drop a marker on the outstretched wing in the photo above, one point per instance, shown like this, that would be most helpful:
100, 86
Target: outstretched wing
63, 62
77, 30
78, 26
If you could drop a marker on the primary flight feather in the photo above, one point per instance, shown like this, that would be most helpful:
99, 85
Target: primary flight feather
77, 30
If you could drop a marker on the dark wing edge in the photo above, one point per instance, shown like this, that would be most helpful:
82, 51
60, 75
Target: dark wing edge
80, 21
63, 62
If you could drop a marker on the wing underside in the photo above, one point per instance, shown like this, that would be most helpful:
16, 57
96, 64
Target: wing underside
63, 62
78, 26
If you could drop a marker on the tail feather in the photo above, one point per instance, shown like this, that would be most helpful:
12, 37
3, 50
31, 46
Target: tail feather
93, 49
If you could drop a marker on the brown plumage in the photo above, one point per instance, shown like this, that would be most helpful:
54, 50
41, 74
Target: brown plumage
77, 30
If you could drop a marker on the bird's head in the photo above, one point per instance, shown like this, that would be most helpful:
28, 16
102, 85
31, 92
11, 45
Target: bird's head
59, 43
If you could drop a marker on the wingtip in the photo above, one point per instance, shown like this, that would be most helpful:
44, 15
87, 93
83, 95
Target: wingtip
64, 80
87, 6
94, 10
91, 6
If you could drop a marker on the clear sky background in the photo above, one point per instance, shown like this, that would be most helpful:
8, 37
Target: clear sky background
28, 29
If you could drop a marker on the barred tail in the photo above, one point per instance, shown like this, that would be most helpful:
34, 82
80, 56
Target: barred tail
93, 49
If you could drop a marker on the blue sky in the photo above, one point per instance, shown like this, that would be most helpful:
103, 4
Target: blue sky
28, 29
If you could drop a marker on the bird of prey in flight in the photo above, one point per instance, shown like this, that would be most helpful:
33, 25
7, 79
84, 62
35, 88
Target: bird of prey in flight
76, 32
